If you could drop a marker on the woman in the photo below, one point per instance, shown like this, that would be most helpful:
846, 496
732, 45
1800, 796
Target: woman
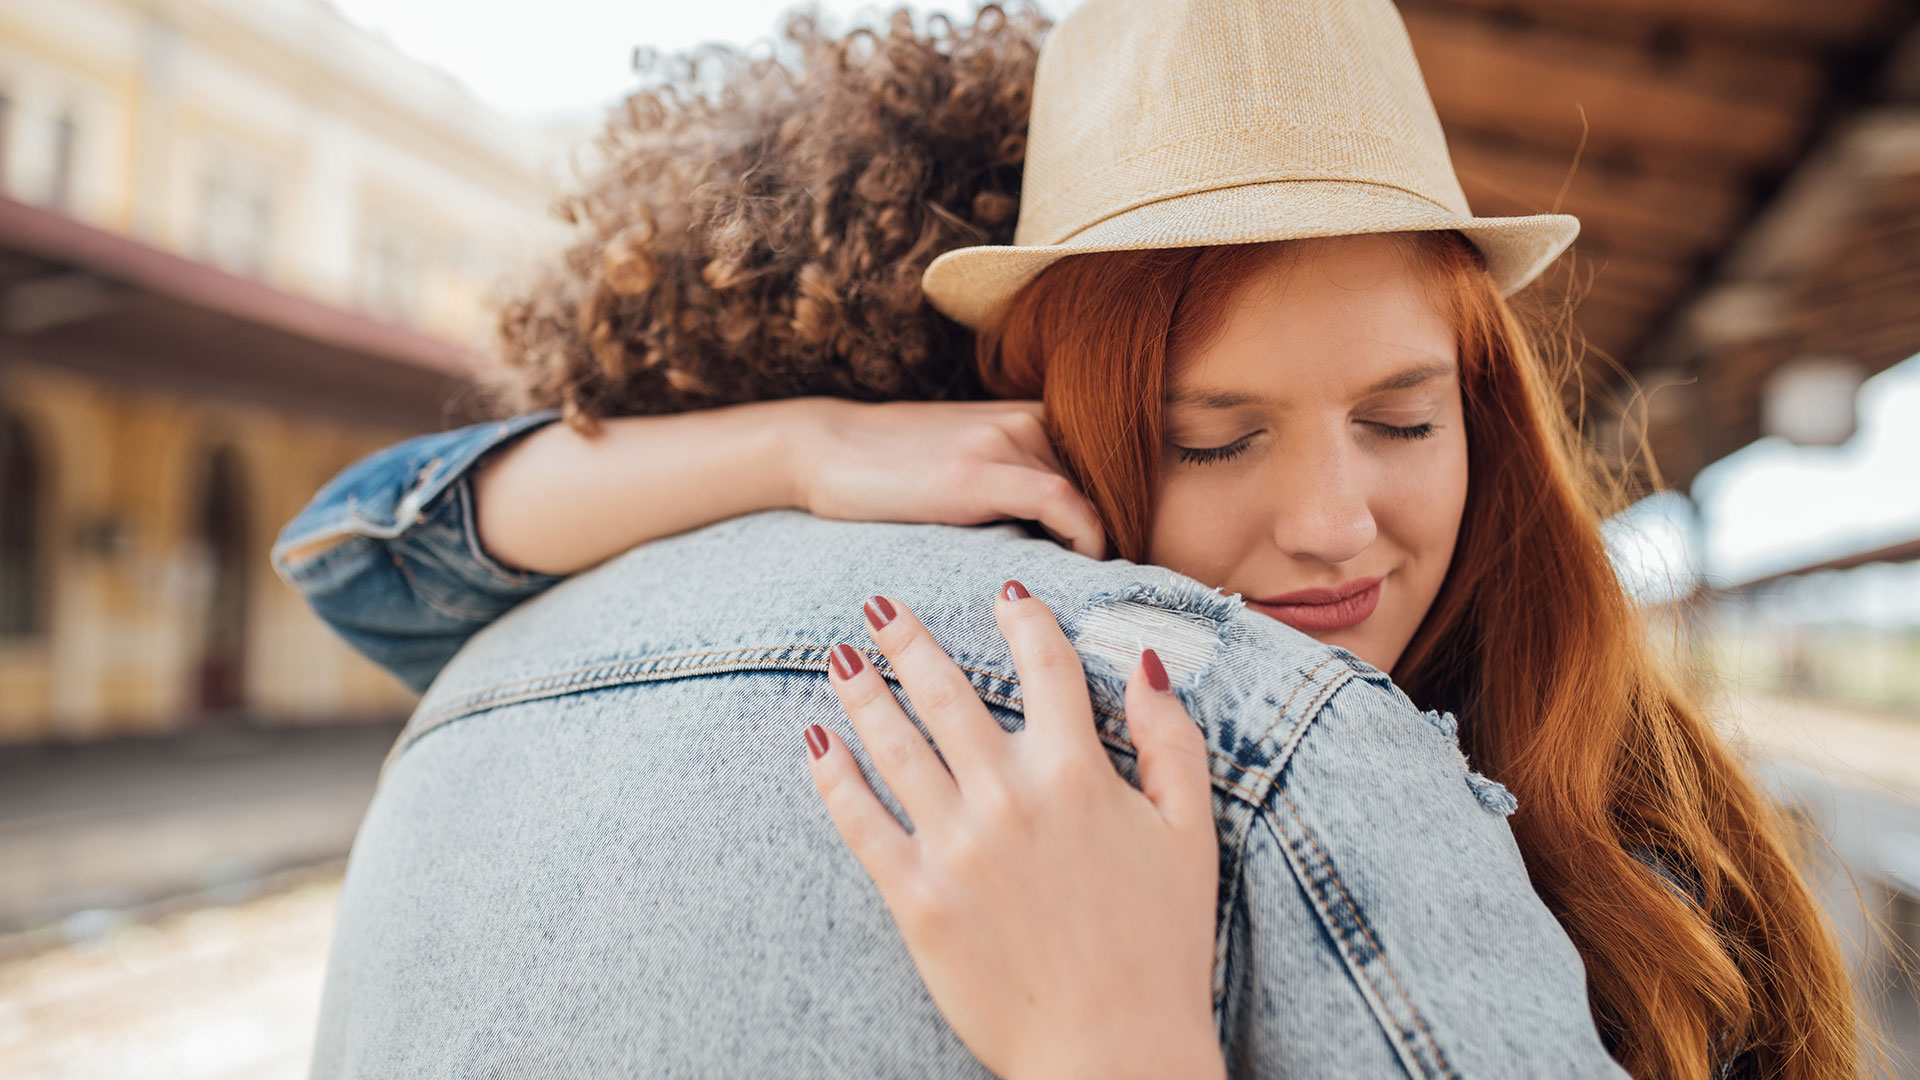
1201, 387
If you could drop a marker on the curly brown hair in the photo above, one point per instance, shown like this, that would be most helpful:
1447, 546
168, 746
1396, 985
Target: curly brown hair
758, 227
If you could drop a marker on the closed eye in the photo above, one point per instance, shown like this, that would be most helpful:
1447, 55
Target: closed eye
1206, 455
1394, 431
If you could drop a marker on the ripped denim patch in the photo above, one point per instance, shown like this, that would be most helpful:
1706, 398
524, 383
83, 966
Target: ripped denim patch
1492, 793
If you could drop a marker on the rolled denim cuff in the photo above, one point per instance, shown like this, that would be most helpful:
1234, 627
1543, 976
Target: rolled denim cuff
390, 557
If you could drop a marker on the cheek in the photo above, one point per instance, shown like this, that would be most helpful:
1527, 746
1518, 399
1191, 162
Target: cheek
1425, 497
1196, 527
1419, 515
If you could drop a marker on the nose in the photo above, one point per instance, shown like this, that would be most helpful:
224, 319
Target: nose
1321, 511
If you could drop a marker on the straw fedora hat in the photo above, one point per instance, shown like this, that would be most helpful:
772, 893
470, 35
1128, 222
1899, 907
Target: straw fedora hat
1187, 123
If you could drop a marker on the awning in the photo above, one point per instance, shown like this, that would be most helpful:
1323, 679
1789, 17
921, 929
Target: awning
77, 297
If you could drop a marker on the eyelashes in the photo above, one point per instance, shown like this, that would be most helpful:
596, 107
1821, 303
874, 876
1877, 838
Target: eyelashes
1209, 455
1415, 431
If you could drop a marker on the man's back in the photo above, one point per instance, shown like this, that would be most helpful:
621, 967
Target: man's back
597, 850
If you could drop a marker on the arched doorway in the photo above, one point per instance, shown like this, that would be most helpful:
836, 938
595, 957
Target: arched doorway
221, 518
23, 570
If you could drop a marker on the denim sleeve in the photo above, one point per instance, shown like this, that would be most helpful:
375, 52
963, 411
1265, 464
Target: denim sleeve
1381, 854
392, 560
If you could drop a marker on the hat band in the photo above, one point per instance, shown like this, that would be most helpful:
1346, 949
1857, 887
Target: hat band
1439, 208
1217, 159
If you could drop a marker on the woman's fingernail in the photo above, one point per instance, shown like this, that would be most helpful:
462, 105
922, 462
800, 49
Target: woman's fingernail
1156, 674
817, 741
879, 612
1013, 590
846, 662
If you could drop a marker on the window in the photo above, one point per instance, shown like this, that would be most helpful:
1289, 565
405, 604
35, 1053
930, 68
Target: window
6, 138
66, 136
22, 567
392, 264
236, 213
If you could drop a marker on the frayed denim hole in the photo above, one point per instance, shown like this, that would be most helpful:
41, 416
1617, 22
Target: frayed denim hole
1175, 594
1492, 794
1111, 637
1183, 622
1445, 723
1118, 632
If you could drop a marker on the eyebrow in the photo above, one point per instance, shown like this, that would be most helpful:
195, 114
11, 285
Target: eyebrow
1229, 399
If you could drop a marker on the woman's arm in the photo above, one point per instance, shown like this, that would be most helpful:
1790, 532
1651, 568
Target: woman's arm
416, 548
559, 502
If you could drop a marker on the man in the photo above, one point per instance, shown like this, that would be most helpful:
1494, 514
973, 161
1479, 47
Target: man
596, 850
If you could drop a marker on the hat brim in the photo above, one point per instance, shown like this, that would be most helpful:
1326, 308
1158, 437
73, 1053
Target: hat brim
973, 285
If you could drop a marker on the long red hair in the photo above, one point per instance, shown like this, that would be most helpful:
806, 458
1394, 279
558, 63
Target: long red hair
1531, 641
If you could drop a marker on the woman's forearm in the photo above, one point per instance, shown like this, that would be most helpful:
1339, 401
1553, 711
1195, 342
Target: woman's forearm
558, 502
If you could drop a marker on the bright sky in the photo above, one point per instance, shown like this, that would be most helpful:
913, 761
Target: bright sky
1771, 506
1766, 507
572, 55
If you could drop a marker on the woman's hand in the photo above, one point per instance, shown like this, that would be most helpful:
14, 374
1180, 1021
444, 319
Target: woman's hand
948, 462
1063, 921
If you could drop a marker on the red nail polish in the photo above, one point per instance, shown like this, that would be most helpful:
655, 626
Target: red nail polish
817, 741
879, 612
1013, 590
1156, 674
846, 662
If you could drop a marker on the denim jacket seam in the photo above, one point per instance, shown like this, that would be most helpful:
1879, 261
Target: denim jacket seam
345, 521
313, 566
1287, 704
614, 673
1269, 776
345, 525
1317, 898
459, 613
1283, 750
1223, 938
537, 686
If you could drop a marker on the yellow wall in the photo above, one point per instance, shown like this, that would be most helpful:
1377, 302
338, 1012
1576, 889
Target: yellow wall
342, 130
123, 625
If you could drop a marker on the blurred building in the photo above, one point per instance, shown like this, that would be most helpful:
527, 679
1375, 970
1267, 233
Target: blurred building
1812, 630
242, 242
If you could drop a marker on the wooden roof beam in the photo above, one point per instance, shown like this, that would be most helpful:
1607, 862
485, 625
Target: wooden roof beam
1624, 209
1830, 258
1789, 24
1709, 110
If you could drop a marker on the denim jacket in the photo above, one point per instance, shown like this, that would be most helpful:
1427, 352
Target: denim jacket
596, 849
404, 579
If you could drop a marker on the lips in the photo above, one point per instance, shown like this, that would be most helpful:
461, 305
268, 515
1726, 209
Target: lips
1324, 609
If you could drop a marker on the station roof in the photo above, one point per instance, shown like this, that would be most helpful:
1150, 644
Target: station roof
1748, 182
82, 298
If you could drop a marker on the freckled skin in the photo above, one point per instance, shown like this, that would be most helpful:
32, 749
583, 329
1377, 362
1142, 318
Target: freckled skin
1322, 491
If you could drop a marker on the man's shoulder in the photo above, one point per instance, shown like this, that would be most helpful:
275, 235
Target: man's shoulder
777, 590
785, 578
